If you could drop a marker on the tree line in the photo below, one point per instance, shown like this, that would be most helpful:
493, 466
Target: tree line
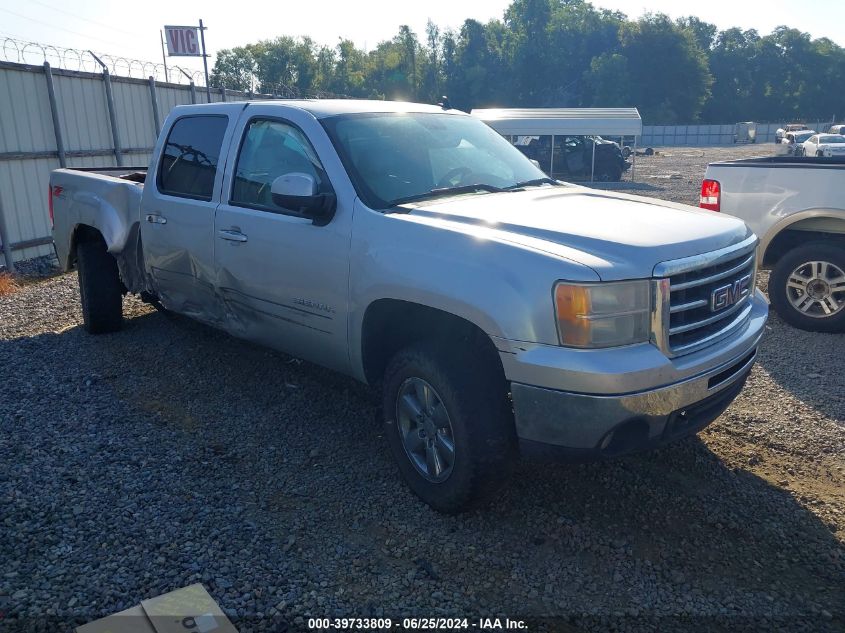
565, 53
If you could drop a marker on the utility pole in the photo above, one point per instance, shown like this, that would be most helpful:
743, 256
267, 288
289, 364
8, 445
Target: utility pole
205, 62
163, 56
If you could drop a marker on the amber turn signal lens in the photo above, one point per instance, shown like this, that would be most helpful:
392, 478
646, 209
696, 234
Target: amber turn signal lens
573, 304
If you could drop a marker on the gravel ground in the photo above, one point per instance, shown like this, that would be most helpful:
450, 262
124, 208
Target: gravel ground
675, 173
39, 267
139, 462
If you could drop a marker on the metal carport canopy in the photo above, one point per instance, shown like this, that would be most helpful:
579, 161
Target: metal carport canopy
563, 121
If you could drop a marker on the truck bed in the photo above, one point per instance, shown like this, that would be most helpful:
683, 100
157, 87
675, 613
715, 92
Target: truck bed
134, 174
105, 198
773, 193
808, 162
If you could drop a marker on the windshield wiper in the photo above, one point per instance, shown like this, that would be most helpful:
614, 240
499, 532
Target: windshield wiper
533, 183
447, 191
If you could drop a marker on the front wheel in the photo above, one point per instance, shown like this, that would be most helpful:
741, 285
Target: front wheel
449, 424
807, 287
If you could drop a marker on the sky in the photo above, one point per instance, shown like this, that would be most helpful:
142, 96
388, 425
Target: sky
132, 29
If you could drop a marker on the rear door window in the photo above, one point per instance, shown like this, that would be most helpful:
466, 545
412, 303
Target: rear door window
191, 154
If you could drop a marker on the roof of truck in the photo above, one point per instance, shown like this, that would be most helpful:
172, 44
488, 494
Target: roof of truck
322, 108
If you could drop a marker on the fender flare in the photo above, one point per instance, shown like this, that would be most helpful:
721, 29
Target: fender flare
790, 220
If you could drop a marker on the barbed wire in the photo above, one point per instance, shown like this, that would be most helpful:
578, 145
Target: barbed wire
35, 53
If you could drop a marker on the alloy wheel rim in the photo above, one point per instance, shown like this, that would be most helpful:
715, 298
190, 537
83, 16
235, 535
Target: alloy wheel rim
425, 429
817, 289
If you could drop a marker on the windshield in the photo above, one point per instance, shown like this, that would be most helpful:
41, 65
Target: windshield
835, 138
392, 157
800, 138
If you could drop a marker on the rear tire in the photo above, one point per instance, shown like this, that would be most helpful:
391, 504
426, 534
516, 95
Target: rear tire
473, 394
798, 307
608, 172
100, 288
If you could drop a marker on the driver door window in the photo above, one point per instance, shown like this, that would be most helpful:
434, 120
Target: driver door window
271, 149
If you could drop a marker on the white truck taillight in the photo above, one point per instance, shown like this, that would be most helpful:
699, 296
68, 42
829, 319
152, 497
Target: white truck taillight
711, 195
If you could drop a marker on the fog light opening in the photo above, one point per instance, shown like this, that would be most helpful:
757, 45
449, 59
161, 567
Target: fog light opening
625, 438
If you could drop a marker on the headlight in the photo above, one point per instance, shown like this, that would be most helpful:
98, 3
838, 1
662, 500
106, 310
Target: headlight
603, 314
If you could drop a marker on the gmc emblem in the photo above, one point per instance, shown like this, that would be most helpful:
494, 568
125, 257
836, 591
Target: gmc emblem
726, 296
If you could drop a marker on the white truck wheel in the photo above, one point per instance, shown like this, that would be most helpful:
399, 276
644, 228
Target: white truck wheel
807, 287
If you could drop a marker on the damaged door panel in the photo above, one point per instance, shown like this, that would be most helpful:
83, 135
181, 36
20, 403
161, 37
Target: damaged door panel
269, 282
177, 225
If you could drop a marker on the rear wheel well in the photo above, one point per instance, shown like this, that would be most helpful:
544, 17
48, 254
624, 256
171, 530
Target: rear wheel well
790, 239
83, 233
391, 325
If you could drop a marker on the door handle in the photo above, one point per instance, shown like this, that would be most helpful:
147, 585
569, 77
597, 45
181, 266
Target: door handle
232, 236
155, 218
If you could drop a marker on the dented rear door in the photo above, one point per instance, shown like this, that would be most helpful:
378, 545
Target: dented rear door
177, 214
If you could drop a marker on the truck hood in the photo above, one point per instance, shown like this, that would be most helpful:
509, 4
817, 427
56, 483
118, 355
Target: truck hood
619, 236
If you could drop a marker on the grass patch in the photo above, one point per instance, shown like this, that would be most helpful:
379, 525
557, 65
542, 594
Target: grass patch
7, 284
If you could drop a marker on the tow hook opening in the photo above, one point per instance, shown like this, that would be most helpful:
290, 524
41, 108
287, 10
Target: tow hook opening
628, 437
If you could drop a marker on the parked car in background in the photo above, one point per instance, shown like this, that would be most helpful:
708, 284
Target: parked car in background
745, 132
797, 209
572, 156
836, 129
791, 127
416, 250
793, 141
822, 145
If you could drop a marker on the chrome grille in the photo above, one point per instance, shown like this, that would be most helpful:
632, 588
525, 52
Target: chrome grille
702, 299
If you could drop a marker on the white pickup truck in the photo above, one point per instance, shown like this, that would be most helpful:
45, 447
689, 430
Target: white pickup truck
413, 248
797, 208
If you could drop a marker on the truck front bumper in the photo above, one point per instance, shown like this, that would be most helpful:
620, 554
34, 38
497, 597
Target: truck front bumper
689, 392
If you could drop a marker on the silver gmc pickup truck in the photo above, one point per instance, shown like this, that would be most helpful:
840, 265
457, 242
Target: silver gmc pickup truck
413, 248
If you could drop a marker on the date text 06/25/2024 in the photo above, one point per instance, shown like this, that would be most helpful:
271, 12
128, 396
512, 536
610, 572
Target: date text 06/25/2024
386, 624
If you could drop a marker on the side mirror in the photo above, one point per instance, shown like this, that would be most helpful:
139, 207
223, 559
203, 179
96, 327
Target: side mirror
536, 163
298, 192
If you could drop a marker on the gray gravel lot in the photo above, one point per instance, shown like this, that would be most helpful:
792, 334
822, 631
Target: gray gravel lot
136, 463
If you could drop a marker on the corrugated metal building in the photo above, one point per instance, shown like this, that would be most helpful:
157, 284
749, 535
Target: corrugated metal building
563, 121
29, 143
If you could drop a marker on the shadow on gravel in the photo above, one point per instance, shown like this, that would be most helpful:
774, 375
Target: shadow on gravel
170, 453
807, 364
